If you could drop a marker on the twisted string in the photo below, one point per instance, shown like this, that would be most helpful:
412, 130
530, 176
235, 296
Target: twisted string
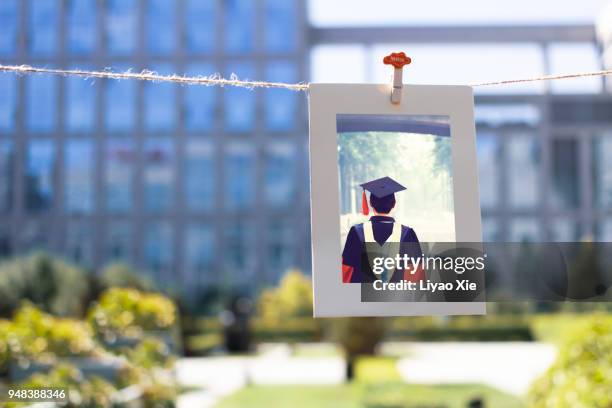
210, 80
233, 80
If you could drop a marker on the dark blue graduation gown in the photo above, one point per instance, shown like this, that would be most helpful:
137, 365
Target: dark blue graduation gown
355, 264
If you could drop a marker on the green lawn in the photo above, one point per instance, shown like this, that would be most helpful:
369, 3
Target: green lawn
377, 385
390, 395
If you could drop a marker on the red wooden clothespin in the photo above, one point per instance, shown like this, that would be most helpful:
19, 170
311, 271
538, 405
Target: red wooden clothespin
398, 60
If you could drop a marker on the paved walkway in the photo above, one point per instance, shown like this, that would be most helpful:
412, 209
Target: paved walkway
215, 377
220, 376
508, 366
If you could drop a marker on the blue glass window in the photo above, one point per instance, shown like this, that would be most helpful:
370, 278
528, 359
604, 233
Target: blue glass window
565, 189
280, 174
6, 248
158, 248
239, 176
119, 161
41, 101
121, 20
80, 104
239, 26
281, 26
160, 102
200, 17
200, 175
40, 167
523, 158
78, 169
280, 104
34, 235
6, 175
200, 101
81, 15
603, 229
305, 170
602, 171
239, 248
525, 229
120, 105
9, 17
304, 247
199, 252
161, 27
118, 241
159, 175
488, 169
43, 27
490, 229
280, 248
8, 102
79, 245
239, 103
563, 230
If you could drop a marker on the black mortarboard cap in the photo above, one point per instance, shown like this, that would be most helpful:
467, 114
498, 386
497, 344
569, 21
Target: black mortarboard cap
381, 187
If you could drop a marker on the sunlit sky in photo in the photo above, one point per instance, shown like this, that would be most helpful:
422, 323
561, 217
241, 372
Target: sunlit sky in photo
457, 63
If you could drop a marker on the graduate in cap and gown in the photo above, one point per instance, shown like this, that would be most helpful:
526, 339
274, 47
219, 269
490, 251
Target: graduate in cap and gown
381, 235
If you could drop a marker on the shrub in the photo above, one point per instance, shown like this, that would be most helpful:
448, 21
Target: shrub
149, 353
34, 335
284, 313
122, 276
582, 374
159, 388
122, 312
5, 326
52, 285
292, 298
93, 393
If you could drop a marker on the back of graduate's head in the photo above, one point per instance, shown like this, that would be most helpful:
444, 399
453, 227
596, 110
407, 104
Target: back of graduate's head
382, 205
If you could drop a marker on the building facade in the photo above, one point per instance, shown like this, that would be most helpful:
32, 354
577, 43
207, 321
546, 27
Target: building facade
193, 185
200, 186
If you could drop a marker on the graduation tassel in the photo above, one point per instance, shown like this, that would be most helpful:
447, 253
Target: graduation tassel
364, 204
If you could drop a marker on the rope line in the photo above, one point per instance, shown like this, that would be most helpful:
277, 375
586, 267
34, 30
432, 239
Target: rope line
233, 80
211, 80
547, 78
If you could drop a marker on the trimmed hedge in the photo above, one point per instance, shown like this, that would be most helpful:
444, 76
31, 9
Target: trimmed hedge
204, 334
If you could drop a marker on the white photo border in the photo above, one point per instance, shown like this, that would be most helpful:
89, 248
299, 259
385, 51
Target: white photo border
332, 298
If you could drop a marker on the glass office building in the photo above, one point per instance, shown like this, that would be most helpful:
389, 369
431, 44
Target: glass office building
192, 185
200, 186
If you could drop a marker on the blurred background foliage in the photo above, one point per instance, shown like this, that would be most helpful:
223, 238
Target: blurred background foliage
52, 284
582, 374
57, 316
64, 327
128, 312
290, 299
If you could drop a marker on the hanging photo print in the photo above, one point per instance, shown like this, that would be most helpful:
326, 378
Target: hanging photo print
395, 208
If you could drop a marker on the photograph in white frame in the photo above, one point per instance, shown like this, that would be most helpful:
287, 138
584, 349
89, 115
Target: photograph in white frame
433, 124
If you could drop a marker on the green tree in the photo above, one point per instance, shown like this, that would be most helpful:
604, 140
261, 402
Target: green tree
292, 298
51, 284
123, 276
582, 374
358, 336
128, 312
